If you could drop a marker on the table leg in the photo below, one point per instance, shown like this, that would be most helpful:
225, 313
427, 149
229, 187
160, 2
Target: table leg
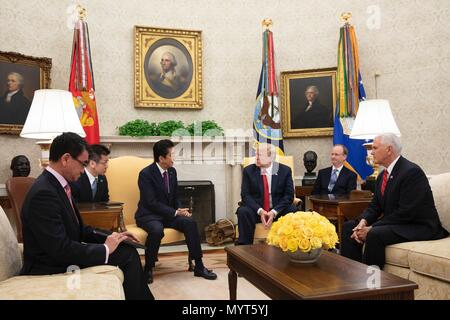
232, 284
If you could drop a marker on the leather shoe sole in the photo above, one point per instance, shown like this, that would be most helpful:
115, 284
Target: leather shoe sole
205, 273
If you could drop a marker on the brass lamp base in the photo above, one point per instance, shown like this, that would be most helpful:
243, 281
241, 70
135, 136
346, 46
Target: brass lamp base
45, 152
371, 162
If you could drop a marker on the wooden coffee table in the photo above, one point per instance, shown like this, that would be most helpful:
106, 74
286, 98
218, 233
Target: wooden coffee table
331, 277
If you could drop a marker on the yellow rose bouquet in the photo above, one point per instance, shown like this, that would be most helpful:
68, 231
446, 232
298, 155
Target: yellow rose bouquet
303, 231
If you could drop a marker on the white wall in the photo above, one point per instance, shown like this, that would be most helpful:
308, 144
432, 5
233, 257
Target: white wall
410, 49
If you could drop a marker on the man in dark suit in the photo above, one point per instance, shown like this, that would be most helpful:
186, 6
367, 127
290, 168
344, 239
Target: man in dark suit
54, 235
313, 114
336, 179
159, 207
267, 193
14, 106
92, 186
402, 209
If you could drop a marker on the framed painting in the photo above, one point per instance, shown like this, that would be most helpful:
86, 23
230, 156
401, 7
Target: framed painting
167, 68
308, 102
20, 76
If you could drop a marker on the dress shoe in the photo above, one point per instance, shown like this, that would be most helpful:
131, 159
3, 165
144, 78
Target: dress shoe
205, 273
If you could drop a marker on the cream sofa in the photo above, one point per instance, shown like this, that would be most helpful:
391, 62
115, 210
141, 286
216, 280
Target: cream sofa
427, 263
99, 282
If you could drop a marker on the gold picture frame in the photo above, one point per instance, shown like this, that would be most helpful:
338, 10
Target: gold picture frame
20, 76
308, 102
167, 68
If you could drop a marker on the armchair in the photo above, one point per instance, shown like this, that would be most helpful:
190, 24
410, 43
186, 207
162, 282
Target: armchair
122, 175
17, 188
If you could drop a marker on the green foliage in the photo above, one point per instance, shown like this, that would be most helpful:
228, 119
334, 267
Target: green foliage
208, 128
138, 128
167, 128
142, 128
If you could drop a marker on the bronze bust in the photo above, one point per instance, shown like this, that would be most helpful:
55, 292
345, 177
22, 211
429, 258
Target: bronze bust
20, 166
310, 163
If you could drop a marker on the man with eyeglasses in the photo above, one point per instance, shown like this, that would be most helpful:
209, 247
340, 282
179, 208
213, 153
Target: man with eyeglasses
92, 185
54, 236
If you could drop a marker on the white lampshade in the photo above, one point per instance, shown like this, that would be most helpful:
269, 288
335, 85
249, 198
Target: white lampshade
374, 117
52, 112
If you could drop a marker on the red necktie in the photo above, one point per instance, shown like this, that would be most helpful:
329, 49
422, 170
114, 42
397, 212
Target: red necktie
69, 195
384, 183
266, 200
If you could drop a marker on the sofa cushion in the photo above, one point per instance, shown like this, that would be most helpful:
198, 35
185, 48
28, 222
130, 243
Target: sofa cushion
10, 255
170, 235
431, 258
430, 288
397, 254
105, 269
83, 286
440, 185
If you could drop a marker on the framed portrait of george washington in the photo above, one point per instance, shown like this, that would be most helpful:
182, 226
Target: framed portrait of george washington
167, 68
20, 76
308, 102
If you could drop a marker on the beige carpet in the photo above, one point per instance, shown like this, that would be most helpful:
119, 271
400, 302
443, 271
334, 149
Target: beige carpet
172, 281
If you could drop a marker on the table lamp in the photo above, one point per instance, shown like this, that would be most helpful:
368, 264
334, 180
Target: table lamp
374, 117
52, 112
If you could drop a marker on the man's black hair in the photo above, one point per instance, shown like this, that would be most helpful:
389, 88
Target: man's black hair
96, 151
161, 148
68, 142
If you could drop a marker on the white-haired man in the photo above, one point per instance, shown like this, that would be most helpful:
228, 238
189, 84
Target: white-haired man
14, 106
402, 208
267, 193
169, 76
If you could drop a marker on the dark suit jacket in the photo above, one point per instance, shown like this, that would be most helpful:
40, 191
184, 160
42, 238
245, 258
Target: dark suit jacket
345, 183
16, 111
282, 187
407, 204
82, 191
155, 203
52, 238
319, 116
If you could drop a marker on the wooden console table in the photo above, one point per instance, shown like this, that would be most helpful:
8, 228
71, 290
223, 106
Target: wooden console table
103, 216
330, 277
338, 208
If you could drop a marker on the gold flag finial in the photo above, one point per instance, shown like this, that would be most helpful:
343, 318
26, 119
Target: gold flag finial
345, 17
267, 23
82, 13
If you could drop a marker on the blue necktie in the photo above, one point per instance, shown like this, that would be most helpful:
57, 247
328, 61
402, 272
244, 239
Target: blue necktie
94, 188
333, 180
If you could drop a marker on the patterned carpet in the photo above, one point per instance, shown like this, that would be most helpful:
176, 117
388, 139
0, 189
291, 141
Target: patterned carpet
173, 281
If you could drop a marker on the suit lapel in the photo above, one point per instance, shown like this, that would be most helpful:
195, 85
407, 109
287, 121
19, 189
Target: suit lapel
391, 178
63, 196
86, 185
160, 182
259, 180
274, 182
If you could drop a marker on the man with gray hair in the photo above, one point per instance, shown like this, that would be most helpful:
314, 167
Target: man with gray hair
267, 193
402, 208
14, 106
169, 76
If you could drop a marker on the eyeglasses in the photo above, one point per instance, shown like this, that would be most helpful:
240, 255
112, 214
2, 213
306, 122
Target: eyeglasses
83, 163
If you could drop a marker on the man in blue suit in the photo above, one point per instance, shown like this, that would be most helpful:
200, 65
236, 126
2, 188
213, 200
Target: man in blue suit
336, 179
92, 185
401, 210
54, 235
159, 207
267, 193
